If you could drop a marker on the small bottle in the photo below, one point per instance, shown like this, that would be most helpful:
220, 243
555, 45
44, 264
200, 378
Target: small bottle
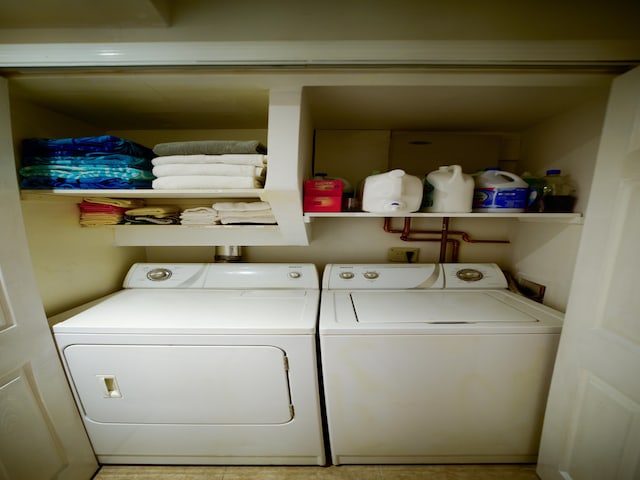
537, 187
559, 193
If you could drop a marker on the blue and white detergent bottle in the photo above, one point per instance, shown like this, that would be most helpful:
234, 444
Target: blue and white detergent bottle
498, 191
392, 192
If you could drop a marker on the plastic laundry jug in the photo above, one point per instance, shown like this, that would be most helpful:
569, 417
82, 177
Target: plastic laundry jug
498, 191
390, 192
451, 190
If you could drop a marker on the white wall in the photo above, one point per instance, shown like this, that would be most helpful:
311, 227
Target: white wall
74, 264
546, 252
71, 264
190, 20
350, 240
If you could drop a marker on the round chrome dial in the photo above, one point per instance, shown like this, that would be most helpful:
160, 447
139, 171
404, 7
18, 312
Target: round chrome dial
371, 275
346, 275
469, 275
159, 274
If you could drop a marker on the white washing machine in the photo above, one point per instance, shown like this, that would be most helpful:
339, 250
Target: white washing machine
433, 363
199, 364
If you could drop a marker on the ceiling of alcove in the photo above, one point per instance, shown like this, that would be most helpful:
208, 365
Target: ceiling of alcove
443, 108
148, 102
209, 101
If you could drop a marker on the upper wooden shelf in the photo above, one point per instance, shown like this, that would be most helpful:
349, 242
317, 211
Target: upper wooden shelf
524, 217
143, 193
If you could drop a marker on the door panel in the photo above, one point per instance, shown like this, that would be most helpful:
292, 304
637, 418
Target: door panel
608, 424
176, 384
41, 434
27, 427
592, 422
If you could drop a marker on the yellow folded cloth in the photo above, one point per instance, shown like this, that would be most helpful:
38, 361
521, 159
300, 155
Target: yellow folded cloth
94, 220
117, 202
154, 210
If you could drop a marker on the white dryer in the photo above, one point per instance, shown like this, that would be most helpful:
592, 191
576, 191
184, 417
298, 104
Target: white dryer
433, 363
199, 364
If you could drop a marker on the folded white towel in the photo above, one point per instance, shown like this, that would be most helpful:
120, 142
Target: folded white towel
199, 216
205, 182
249, 219
200, 221
254, 213
182, 169
229, 159
199, 211
240, 206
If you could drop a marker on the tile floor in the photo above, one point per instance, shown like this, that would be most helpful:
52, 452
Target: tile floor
342, 472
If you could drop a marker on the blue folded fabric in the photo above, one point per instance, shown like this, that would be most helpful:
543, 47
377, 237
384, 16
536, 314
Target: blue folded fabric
91, 183
109, 160
73, 172
80, 146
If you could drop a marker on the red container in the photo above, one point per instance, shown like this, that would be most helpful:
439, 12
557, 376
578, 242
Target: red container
322, 196
322, 188
322, 204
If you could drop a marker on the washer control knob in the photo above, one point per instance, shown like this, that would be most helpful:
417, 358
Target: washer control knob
469, 275
371, 275
159, 274
295, 274
346, 275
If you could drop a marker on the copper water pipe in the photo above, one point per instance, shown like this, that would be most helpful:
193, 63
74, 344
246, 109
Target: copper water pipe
455, 246
443, 240
407, 230
404, 236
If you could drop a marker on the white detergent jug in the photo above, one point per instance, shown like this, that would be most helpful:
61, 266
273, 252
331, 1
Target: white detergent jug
392, 192
450, 190
498, 191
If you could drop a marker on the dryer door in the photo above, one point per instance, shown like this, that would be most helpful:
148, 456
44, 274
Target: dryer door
181, 384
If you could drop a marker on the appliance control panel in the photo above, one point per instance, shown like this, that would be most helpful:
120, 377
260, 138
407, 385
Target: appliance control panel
421, 276
222, 276
382, 276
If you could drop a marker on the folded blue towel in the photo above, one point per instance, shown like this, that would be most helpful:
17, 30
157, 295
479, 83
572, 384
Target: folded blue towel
36, 182
109, 160
72, 172
79, 146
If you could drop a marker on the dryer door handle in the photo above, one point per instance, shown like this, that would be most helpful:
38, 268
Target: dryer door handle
109, 386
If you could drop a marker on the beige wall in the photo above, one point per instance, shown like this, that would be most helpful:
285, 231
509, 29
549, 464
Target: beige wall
546, 252
193, 20
71, 264
74, 264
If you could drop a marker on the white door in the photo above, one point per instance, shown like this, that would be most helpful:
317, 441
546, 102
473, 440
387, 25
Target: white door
592, 424
41, 434
237, 384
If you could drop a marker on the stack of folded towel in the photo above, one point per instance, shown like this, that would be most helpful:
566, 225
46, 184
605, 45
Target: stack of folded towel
213, 164
101, 162
244, 212
199, 216
153, 215
105, 211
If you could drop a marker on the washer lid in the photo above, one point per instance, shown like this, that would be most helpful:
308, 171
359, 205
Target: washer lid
434, 307
198, 311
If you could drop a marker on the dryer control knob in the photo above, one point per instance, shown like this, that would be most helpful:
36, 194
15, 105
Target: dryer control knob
346, 275
469, 275
371, 275
295, 274
159, 274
